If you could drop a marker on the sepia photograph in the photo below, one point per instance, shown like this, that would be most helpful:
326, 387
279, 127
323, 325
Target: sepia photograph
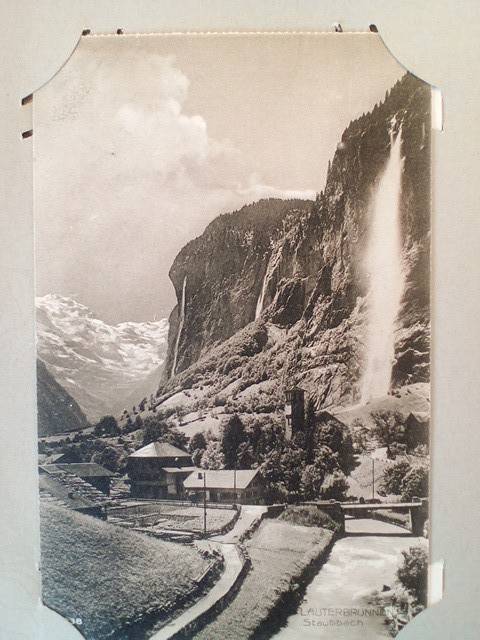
232, 259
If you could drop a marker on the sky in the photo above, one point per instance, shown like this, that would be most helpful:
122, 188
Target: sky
141, 141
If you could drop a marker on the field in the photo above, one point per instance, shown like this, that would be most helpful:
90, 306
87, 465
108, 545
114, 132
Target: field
278, 551
106, 575
161, 516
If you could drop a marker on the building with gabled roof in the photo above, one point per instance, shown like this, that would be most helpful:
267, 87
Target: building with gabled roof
158, 470
243, 486
417, 429
163, 450
58, 458
68, 490
91, 472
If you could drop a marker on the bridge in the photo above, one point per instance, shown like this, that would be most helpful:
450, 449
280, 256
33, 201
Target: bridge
417, 510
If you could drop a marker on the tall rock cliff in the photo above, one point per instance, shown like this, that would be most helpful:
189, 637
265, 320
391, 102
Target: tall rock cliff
223, 271
281, 286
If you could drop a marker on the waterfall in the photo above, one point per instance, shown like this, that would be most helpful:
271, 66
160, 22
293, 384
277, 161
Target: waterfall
261, 297
384, 265
180, 328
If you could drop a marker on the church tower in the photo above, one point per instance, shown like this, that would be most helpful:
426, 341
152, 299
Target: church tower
294, 411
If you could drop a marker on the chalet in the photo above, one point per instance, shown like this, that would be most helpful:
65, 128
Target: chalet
158, 471
69, 491
93, 473
243, 486
417, 428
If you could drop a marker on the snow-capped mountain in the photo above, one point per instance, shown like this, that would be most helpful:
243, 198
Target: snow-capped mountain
104, 367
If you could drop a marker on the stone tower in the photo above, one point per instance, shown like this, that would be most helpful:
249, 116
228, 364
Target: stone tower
294, 411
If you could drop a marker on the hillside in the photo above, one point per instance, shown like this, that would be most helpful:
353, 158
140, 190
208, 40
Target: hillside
110, 575
260, 312
104, 367
57, 411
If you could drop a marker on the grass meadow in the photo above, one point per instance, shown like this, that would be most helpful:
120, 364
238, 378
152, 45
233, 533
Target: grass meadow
106, 575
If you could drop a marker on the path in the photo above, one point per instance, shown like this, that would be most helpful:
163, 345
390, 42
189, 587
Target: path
233, 565
226, 543
248, 515
336, 603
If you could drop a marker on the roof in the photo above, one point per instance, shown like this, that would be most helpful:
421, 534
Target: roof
80, 469
69, 490
422, 417
325, 416
220, 479
179, 469
159, 450
56, 457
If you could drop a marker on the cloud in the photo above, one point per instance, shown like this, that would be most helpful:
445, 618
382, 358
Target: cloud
125, 178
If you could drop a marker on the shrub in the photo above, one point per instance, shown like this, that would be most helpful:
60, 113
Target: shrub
153, 430
107, 426
334, 487
212, 457
413, 574
232, 436
197, 441
415, 483
360, 436
397, 449
393, 476
332, 435
309, 516
197, 457
312, 481
108, 458
389, 427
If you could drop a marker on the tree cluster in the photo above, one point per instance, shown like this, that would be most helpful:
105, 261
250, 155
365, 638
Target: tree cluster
406, 480
413, 573
155, 429
310, 466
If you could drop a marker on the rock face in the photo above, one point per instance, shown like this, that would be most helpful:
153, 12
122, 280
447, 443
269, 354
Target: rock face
57, 410
104, 367
224, 270
303, 261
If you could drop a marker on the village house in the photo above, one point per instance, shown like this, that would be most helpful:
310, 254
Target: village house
90, 472
243, 486
417, 430
67, 490
158, 471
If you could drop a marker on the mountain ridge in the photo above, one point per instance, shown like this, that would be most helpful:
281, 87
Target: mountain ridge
102, 366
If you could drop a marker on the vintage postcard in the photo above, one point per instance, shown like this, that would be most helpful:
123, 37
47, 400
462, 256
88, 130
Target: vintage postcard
233, 337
